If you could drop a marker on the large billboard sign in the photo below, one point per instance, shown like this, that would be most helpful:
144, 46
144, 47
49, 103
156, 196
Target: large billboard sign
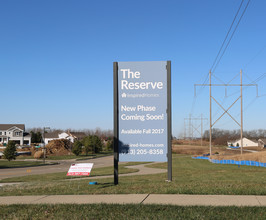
143, 110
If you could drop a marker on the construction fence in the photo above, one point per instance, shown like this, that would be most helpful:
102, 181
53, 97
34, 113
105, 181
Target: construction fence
242, 162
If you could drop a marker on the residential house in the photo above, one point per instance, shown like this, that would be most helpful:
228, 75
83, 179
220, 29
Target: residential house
77, 135
63, 135
246, 143
262, 142
47, 137
14, 132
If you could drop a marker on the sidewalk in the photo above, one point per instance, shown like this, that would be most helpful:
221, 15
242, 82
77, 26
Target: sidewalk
172, 199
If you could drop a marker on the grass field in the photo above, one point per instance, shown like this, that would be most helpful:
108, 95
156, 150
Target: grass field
69, 157
80, 157
190, 176
16, 164
50, 177
104, 211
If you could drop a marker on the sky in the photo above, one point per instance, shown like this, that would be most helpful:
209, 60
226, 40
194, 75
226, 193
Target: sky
56, 59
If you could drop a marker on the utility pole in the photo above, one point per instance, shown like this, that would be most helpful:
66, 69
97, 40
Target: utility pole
201, 130
44, 149
226, 110
194, 129
184, 129
241, 112
210, 88
190, 135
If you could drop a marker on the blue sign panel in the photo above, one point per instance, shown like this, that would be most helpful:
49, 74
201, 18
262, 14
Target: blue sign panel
142, 113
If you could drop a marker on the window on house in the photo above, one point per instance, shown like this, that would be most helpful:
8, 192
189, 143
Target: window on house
0, 132
17, 133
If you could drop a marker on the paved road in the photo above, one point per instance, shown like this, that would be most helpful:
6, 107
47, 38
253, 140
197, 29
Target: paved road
62, 167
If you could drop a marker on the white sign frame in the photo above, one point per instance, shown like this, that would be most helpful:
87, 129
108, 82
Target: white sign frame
80, 169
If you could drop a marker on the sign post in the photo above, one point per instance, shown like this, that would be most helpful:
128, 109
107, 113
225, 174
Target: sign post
115, 142
142, 113
169, 121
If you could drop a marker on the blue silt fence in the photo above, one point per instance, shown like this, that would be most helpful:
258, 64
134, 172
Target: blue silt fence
242, 162
201, 157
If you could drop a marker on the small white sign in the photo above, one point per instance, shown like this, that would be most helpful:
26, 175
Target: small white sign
80, 169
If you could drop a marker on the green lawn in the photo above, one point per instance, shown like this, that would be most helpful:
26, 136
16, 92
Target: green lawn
190, 176
104, 211
80, 157
49, 177
16, 164
70, 157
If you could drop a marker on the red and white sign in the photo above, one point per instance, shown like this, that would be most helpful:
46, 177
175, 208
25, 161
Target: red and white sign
80, 169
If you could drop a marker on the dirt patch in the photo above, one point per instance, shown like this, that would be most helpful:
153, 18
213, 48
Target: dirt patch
254, 148
59, 147
196, 149
190, 142
223, 153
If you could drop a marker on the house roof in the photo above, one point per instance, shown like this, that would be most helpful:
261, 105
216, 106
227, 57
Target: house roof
233, 141
5, 127
263, 140
52, 135
254, 140
77, 134
26, 134
55, 134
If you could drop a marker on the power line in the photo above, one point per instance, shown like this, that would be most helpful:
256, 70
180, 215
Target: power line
252, 81
233, 78
226, 110
195, 97
246, 107
193, 105
227, 35
244, 110
255, 57
218, 79
232, 33
192, 128
260, 77
215, 63
222, 48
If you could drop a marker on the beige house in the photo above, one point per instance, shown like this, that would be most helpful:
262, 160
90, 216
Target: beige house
246, 143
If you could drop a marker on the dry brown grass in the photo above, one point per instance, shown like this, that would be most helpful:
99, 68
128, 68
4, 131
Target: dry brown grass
190, 142
38, 154
259, 156
195, 149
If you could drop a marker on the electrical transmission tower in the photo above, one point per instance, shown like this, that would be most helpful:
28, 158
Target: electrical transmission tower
226, 110
193, 127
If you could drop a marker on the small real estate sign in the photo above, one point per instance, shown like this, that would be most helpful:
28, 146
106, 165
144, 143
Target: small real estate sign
143, 113
80, 169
